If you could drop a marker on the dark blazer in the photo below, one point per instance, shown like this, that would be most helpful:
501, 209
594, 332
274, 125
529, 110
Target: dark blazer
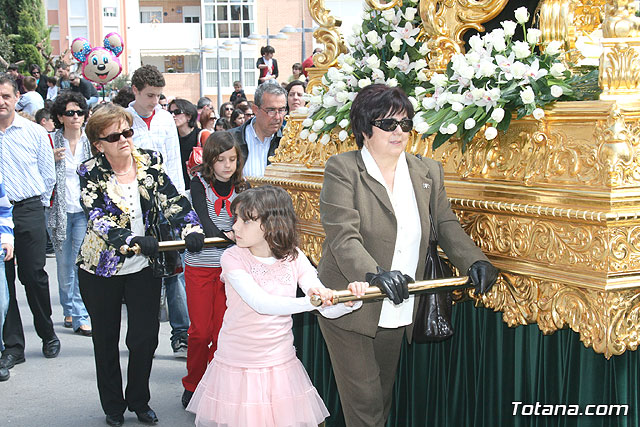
109, 227
360, 227
42, 87
239, 134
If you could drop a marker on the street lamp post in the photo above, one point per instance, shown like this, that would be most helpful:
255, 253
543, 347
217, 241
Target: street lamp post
201, 51
302, 30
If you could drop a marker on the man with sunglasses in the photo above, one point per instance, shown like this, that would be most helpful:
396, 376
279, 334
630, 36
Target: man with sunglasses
78, 84
259, 137
28, 172
155, 129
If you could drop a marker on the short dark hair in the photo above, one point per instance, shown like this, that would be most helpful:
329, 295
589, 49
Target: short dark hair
239, 100
52, 80
267, 49
297, 65
60, 105
62, 64
12, 67
7, 79
42, 114
222, 122
272, 88
30, 83
188, 108
203, 102
124, 97
147, 75
216, 144
273, 207
373, 102
296, 83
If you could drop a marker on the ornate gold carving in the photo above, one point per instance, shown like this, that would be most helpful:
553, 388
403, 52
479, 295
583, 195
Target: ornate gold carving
311, 245
329, 35
620, 69
446, 21
620, 19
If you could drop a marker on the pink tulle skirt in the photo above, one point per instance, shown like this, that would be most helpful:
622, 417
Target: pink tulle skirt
278, 396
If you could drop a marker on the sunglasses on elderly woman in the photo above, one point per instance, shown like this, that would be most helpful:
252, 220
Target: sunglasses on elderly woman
71, 113
115, 137
389, 125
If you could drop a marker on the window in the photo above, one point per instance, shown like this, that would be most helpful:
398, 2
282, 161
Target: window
230, 71
150, 15
110, 12
228, 18
191, 14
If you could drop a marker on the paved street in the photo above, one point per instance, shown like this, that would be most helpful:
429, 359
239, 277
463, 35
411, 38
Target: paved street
62, 392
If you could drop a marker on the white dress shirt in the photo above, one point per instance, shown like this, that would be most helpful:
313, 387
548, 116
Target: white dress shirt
408, 233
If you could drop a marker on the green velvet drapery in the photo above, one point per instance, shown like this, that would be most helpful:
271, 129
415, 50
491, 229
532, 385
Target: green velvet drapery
471, 379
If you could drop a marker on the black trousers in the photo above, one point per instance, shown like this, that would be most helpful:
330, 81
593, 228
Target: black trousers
30, 253
102, 297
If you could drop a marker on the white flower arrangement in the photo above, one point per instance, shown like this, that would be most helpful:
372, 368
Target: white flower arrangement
483, 88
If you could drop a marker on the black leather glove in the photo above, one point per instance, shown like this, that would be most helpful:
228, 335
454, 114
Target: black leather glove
483, 275
393, 283
194, 241
148, 245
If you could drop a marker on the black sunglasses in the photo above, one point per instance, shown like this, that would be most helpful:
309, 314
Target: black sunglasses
115, 137
228, 109
389, 125
176, 111
71, 113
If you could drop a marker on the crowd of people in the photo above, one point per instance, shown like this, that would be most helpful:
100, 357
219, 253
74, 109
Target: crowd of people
103, 179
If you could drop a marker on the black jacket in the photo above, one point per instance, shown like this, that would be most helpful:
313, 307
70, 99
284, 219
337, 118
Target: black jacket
239, 134
85, 88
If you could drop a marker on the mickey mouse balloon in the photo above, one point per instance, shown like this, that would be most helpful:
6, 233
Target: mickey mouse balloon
99, 64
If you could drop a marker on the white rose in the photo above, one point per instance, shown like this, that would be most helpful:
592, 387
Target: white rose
509, 28
343, 123
469, 123
316, 99
420, 64
389, 14
487, 68
334, 74
414, 103
372, 37
556, 91
304, 134
420, 90
373, 62
421, 127
347, 69
522, 15
325, 139
467, 72
518, 69
553, 48
557, 70
521, 49
313, 137
538, 113
330, 120
476, 42
443, 130
490, 133
396, 44
410, 13
533, 35
422, 76
303, 110
307, 122
424, 49
317, 125
527, 95
497, 115
456, 106
392, 82
393, 62
499, 44
342, 97
428, 103
452, 128
342, 136
364, 82
438, 80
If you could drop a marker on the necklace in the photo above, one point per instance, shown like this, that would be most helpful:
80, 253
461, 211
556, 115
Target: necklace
127, 172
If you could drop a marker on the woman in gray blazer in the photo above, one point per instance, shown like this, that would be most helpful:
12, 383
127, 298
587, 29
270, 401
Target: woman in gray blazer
374, 207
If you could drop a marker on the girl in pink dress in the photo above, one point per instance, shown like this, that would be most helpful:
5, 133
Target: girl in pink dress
255, 378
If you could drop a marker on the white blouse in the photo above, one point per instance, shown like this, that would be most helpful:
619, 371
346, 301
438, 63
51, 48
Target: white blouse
408, 234
131, 195
72, 180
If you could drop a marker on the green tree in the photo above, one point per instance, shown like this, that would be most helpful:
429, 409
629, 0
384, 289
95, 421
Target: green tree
23, 21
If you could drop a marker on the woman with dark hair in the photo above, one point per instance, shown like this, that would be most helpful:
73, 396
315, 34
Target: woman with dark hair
124, 192
185, 116
225, 110
222, 124
41, 81
237, 118
295, 95
218, 180
267, 65
377, 205
67, 222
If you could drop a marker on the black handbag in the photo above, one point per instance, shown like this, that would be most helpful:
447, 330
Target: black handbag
166, 263
433, 318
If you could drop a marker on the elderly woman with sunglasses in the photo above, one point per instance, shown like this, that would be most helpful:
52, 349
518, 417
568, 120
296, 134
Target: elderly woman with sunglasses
123, 191
66, 221
375, 208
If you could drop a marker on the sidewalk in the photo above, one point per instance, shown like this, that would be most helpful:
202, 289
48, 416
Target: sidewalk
62, 392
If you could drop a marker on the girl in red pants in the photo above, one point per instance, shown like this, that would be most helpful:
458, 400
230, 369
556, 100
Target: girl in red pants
216, 183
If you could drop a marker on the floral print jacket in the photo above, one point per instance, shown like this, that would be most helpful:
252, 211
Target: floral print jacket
103, 250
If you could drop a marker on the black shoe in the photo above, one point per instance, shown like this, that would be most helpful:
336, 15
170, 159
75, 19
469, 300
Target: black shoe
147, 416
67, 323
51, 347
4, 374
83, 332
186, 398
10, 360
115, 420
